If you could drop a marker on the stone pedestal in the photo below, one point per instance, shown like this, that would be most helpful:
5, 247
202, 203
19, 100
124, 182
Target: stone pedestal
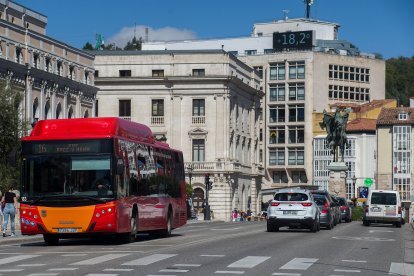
337, 175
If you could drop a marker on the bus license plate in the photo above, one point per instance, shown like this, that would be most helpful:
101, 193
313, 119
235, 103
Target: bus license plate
67, 230
290, 212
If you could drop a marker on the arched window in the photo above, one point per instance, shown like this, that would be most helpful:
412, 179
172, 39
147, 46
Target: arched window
70, 113
48, 114
35, 110
58, 111
86, 114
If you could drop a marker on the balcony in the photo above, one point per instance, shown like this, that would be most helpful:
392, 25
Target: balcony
198, 120
128, 118
157, 120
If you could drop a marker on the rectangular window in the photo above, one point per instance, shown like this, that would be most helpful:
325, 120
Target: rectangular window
277, 71
296, 156
276, 114
268, 51
250, 52
124, 73
96, 74
277, 157
157, 107
199, 107
280, 177
296, 70
199, 72
299, 177
296, 134
277, 135
277, 92
296, 113
198, 150
124, 108
158, 73
296, 91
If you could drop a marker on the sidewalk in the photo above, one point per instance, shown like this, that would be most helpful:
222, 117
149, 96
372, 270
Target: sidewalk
19, 238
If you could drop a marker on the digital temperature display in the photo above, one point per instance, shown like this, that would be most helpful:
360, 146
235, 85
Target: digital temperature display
293, 41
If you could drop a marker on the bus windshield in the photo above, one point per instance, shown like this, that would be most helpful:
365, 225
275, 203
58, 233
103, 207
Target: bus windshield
67, 175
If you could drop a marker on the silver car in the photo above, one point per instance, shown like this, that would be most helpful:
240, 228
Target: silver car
294, 208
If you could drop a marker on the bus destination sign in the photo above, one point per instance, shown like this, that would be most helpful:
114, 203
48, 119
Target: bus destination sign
66, 147
302, 40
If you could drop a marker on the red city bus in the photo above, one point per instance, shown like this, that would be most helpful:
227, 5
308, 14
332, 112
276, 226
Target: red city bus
94, 176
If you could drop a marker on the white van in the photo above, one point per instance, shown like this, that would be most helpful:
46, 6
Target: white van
383, 206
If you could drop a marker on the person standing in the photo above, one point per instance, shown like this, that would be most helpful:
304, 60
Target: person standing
10, 199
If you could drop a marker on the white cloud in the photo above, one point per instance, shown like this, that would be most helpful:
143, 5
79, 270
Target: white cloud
163, 34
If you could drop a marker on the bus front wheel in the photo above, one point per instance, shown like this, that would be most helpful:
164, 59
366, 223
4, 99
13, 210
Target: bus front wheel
51, 239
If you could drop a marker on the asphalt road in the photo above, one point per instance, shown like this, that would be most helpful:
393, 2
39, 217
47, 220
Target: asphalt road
242, 248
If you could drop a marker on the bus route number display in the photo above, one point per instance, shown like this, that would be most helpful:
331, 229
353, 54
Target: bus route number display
302, 40
70, 147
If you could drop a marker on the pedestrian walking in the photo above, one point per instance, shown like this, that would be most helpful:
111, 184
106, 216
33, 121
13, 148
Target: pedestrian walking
234, 215
10, 200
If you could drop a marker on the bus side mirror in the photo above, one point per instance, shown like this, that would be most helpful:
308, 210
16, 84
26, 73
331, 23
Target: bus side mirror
120, 166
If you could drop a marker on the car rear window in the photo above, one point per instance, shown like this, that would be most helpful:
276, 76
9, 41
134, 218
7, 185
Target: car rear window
342, 201
291, 197
319, 199
384, 198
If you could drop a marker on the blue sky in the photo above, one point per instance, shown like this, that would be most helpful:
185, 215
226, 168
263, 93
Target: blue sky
374, 26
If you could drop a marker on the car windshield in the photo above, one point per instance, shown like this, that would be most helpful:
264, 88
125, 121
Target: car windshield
291, 197
383, 198
320, 200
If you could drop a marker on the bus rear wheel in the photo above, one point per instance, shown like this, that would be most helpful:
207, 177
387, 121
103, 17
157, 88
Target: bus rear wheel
51, 239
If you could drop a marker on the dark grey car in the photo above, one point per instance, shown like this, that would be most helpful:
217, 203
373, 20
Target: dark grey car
331, 203
327, 212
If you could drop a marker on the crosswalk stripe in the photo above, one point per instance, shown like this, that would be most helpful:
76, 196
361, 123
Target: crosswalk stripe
16, 259
100, 259
401, 269
174, 270
188, 265
347, 270
63, 269
229, 272
150, 259
299, 263
286, 274
10, 270
118, 269
249, 262
101, 274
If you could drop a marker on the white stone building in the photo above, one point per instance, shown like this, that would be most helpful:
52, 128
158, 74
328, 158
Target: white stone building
206, 103
304, 68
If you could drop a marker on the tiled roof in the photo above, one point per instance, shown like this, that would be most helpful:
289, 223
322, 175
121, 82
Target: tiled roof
363, 107
389, 116
362, 125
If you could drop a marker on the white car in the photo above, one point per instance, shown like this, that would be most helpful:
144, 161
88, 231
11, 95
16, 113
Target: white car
383, 206
294, 208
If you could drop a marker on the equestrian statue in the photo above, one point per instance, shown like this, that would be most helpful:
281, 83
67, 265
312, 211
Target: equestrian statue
336, 132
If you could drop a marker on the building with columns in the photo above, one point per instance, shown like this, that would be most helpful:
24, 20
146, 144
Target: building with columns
56, 79
205, 103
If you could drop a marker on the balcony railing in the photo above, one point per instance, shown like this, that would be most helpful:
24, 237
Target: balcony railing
157, 120
198, 120
128, 118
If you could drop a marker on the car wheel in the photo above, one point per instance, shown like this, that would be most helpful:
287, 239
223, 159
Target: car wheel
314, 226
272, 228
398, 224
366, 223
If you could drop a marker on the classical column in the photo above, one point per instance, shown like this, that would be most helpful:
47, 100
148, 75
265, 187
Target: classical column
42, 100
65, 103
53, 104
79, 105
93, 106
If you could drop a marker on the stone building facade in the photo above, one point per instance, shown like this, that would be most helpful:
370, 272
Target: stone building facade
205, 103
56, 79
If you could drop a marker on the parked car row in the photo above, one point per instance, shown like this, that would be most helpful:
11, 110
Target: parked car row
306, 209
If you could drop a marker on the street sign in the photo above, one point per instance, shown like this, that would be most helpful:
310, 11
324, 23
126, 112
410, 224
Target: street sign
368, 182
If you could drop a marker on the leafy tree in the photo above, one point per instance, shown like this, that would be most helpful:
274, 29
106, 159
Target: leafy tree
400, 79
134, 44
88, 46
10, 131
188, 190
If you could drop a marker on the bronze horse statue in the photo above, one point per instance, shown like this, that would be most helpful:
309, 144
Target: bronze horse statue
336, 132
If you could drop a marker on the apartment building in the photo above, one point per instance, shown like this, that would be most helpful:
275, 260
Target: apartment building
203, 102
56, 79
304, 68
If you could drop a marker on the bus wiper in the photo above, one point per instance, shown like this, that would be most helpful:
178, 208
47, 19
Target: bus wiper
54, 195
90, 198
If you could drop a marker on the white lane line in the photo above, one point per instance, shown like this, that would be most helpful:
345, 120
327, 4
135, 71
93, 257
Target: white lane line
287, 274
188, 265
29, 265
43, 274
150, 259
229, 272
347, 270
16, 259
354, 261
212, 255
100, 259
74, 255
118, 269
63, 269
381, 231
225, 229
401, 269
299, 263
11, 270
249, 262
101, 275
174, 270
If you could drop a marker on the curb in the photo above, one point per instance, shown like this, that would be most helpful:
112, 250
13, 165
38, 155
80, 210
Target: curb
20, 239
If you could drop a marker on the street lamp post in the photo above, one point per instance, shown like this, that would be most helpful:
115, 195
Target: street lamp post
354, 179
190, 175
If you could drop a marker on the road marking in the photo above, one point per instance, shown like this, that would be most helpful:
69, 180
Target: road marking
118, 269
63, 269
401, 269
363, 239
381, 231
299, 263
74, 255
150, 259
225, 229
43, 274
249, 262
31, 265
16, 259
229, 272
100, 259
287, 274
174, 270
188, 265
101, 275
212, 255
354, 261
10, 270
347, 270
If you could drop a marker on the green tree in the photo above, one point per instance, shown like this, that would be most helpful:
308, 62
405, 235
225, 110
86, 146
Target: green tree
88, 46
188, 190
399, 82
10, 131
134, 44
